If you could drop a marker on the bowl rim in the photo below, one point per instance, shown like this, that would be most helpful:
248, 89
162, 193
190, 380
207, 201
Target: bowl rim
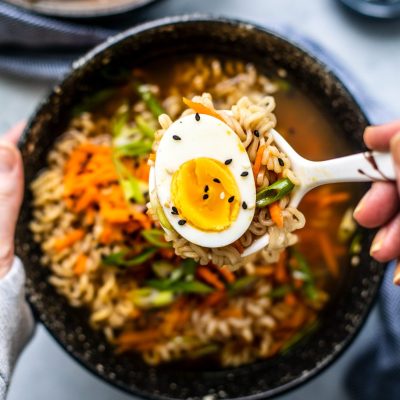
181, 19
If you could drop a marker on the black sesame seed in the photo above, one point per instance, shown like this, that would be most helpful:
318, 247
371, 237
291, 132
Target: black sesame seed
216, 180
176, 137
244, 173
174, 211
205, 197
206, 188
227, 162
244, 205
231, 199
182, 222
197, 116
256, 133
281, 162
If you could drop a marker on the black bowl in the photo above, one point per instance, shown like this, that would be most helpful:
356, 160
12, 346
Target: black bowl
158, 40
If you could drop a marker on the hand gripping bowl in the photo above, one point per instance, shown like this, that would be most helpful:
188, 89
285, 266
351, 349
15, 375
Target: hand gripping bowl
340, 320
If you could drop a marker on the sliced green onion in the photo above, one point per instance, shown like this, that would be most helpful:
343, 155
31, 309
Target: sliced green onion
274, 192
356, 244
280, 291
189, 267
309, 288
204, 351
347, 226
194, 287
129, 184
155, 237
133, 149
148, 97
120, 259
144, 127
162, 268
90, 102
150, 298
283, 85
242, 284
120, 120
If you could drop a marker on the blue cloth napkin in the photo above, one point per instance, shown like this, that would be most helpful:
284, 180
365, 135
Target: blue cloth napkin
42, 47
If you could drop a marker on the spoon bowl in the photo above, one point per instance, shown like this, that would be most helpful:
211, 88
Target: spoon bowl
362, 167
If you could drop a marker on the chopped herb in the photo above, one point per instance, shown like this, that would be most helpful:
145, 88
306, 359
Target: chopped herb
148, 97
182, 222
244, 173
280, 291
227, 162
216, 180
121, 259
133, 149
155, 237
231, 199
151, 298
274, 192
242, 284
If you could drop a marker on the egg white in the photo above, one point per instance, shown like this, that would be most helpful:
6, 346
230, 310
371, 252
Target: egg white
211, 138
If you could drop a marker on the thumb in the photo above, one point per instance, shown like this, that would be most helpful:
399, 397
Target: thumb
11, 192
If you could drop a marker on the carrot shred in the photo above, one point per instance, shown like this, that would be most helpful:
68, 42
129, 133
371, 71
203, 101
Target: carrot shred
290, 299
213, 299
329, 254
201, 109
69, 239
231, 312
257, 161
281, 274
210, 278
227, 274
80, 265
134, 338
276, 214
266, 270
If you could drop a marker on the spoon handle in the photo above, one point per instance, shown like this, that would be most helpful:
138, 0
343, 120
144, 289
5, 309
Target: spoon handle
362, 167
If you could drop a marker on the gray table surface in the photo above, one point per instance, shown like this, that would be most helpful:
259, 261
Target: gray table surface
370, 49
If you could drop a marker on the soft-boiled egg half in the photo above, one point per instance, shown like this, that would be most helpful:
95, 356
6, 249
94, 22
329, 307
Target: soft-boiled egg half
203, 180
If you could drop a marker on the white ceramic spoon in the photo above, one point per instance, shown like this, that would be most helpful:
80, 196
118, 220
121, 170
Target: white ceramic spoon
362, 167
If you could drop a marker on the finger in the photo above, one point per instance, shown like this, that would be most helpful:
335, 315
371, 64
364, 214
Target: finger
386, 245
15, 132
11, 192
378, 137
396, 277
395, 150
378, 205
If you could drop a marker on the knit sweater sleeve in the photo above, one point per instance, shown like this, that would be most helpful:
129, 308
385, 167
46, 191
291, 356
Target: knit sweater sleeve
16, 322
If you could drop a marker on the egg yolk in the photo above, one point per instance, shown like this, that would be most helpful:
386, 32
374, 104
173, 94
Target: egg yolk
205, 193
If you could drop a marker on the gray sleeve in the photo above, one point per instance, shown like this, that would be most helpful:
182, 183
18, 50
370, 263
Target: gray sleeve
16, 322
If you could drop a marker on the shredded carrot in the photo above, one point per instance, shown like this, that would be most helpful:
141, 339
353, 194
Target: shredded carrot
80, 265
238, 246
257, 161
201, 109
135, 313
290, 299
135, 338
227, 274
69, 239
167, 253
210, 278
266, 270
231, 312
276, 214
281, 274
329, 254
298, 283
213, 299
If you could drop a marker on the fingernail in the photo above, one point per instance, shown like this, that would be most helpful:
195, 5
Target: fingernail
7, 158
378, 242
396, 278
361, 203
395, 148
